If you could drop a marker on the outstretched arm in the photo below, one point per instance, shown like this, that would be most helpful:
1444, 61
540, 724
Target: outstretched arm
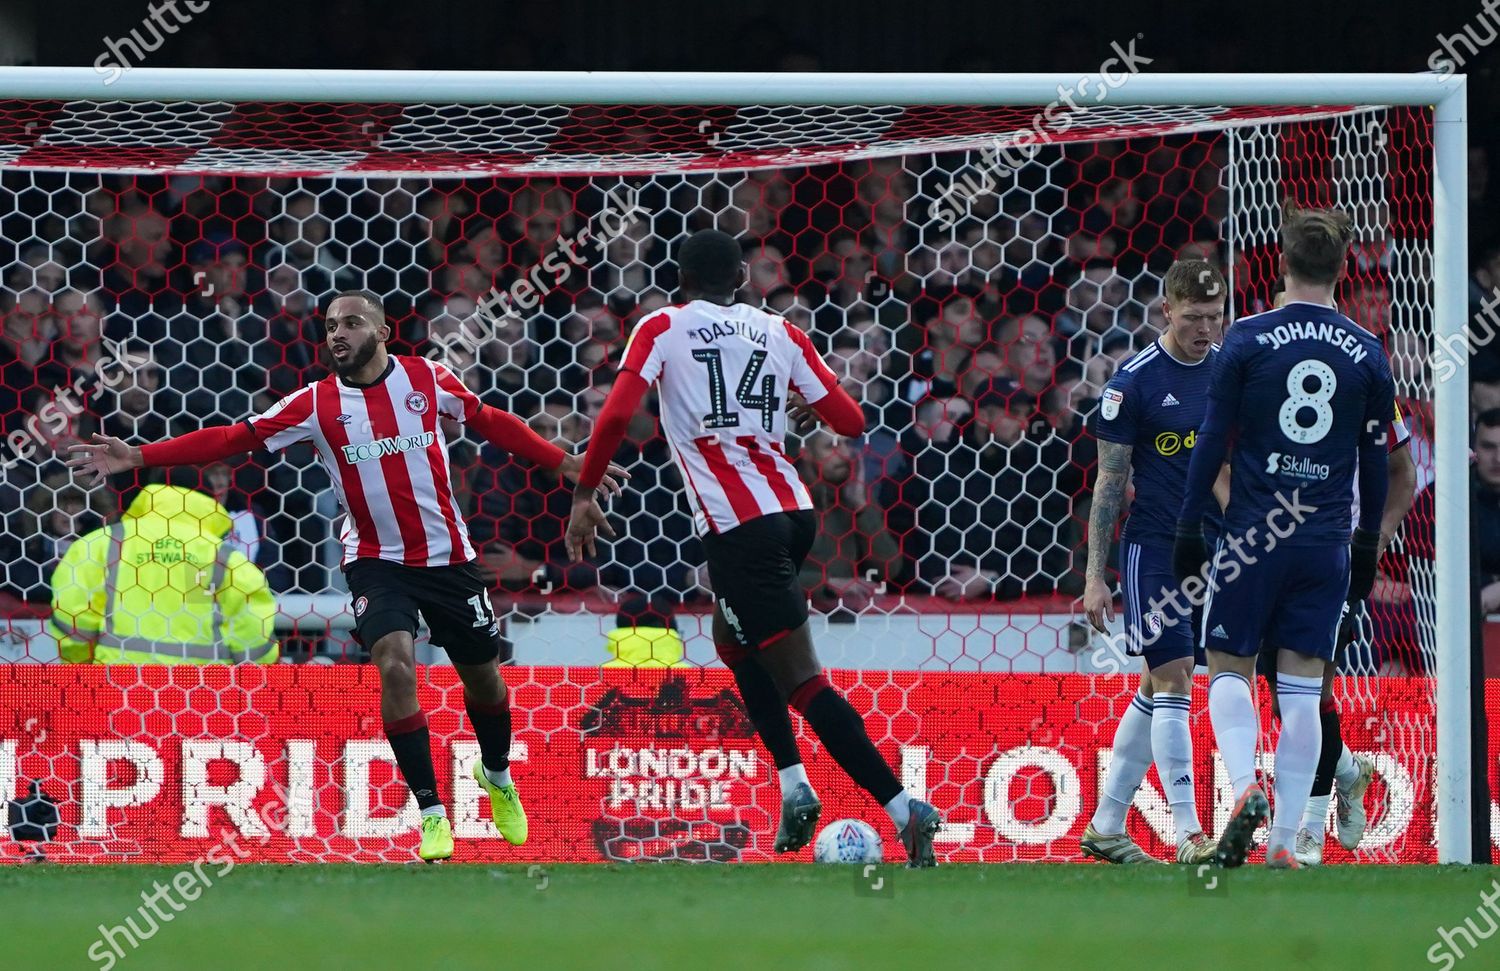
837, 409
511, 434
609, 429
587, 518
105, 455
287, 422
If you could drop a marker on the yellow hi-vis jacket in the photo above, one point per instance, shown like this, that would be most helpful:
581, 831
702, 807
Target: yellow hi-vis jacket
162, 587
644, 647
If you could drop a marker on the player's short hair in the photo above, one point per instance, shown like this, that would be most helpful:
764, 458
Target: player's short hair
374, 302
710, 261
1194, 281
1316, 242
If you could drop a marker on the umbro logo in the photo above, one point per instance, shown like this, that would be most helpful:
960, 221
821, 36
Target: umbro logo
1219, 631
344, 419
1169, 401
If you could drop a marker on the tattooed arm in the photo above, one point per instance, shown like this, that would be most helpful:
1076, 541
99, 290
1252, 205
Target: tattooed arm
1109, 496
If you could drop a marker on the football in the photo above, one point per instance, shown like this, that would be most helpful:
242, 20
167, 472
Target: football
848, 841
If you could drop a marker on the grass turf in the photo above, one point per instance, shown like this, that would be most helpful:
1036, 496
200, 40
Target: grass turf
728, 917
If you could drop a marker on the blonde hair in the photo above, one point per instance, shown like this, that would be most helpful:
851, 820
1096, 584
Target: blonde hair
1194, 281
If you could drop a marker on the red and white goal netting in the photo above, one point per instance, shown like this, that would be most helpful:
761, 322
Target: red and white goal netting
973, 292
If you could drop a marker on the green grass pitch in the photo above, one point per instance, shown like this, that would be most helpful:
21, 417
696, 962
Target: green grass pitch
754, 917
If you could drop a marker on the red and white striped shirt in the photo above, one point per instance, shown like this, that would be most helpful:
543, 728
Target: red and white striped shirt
384, 449
723, 375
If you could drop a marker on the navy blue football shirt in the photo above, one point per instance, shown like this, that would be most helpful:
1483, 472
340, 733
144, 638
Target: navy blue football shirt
1301, 390
1154, 404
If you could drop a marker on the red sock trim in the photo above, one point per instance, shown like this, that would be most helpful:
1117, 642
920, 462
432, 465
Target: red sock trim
410, 723
499, 708
1328, 705
773, 639
731, 654
805, 692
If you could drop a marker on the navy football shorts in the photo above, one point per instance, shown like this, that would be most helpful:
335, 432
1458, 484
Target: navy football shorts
1291, 597
1161, 624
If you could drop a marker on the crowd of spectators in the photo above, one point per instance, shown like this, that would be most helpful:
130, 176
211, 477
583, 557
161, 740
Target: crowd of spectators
977, 350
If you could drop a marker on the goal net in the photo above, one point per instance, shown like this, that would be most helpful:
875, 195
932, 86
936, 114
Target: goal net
974, 274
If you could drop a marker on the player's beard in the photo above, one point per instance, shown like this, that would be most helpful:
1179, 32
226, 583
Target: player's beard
358, 358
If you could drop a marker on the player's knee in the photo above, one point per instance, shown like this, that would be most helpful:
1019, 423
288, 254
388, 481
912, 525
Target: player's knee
398, 681
393, 659
482, 682
1172, 679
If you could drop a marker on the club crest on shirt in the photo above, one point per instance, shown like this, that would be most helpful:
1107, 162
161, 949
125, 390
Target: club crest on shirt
360, 605
1109, 405
416, 403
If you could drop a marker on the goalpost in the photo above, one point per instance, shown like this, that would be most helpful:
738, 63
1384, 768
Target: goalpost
885, 208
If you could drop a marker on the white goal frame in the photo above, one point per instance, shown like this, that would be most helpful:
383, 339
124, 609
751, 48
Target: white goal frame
1446, 94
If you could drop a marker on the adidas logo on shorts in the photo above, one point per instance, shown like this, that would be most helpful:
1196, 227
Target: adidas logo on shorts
1219, 631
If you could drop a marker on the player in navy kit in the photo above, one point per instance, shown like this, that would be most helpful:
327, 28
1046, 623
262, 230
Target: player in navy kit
1147, 424
1338, 766
1307, 395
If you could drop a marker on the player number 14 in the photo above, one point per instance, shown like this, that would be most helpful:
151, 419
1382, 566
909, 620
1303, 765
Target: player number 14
766, 402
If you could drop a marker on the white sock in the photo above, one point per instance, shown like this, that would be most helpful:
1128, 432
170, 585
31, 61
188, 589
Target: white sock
1296, 754
1127, 767
437, 810
1315, 816
1236, 728
1347, 769
501, 778
791, 776
1172, 744
899, 809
